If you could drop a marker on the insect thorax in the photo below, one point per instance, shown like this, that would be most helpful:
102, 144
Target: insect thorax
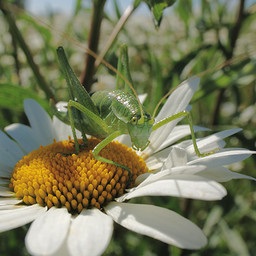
123, 111
118, 103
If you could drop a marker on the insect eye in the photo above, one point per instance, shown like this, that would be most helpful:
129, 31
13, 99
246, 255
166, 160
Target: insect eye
134, 120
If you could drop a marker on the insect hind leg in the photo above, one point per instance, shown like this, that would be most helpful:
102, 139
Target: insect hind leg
182, 114
193, 136
103, 144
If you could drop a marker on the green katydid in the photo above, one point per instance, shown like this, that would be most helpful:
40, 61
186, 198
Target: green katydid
108, 114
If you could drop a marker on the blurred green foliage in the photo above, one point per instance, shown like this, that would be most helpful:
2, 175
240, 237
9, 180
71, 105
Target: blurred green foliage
212, 39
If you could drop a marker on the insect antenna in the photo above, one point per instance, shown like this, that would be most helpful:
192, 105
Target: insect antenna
162, 100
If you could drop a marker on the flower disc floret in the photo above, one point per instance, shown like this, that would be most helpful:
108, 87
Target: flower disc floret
54, 175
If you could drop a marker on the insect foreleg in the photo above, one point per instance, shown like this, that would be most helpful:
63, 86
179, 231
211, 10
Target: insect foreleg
89, 114
103, 144
72, 124
169, 119
190, 122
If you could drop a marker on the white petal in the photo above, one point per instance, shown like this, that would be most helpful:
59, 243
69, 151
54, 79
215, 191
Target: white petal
151, 177
212, 142
179, 98
24, 136
48, 231
186, 186
19, 216
222, 174
164, 174
6, 159
9, 207
141, 178
5, 191
40, 121
90, 233
224, 157
63, 250
153, 164
177, 157
5, 171
9, 201
159, 223
125, 139
62, 130
156, 160
10, 152
3, 181
178, 132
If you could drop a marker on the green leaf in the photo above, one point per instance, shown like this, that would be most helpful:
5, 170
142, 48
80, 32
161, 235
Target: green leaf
157, 90
157, 7
234, 240
12, 96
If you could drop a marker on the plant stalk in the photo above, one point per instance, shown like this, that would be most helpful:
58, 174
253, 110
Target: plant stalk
93, 43
19, 38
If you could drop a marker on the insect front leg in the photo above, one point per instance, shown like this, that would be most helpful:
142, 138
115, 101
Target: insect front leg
72, 118
190, 122
103, 144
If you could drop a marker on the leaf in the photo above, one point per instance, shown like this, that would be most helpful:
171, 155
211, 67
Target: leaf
12, 96
157, 7
213, 218
236, 243
184, 9
157, 83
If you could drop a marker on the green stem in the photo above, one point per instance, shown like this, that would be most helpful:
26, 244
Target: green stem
228, 53
97, 17
16, 33
129, 10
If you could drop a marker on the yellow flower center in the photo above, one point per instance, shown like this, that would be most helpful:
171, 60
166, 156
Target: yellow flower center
54, 176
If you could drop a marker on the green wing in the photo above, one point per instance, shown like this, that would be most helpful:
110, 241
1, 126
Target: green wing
76, 90
88, 121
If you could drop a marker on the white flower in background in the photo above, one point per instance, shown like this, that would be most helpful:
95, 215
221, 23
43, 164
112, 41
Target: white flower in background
72, 200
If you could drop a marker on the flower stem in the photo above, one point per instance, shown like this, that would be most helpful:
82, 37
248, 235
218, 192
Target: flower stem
228, 53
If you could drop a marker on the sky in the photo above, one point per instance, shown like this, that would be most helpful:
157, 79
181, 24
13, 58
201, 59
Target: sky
44, 6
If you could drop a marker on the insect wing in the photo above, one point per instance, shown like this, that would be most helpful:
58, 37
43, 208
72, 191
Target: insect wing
90, 123
76, 90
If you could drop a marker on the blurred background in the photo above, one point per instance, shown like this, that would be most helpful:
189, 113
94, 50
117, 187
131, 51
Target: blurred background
168, 41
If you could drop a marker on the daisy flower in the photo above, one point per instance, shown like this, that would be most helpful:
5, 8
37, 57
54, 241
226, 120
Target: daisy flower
73, 200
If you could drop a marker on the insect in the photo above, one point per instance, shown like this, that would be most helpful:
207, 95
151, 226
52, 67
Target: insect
108, 114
